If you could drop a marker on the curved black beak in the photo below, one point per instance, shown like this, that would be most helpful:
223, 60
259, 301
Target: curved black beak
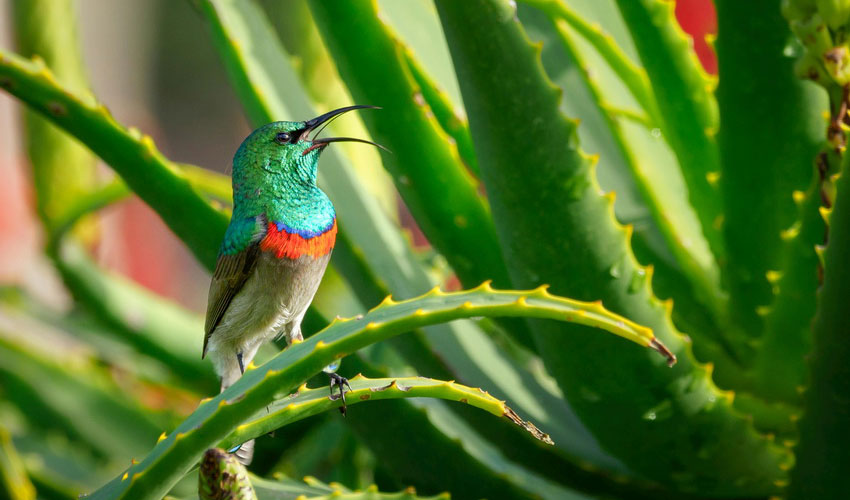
311, 125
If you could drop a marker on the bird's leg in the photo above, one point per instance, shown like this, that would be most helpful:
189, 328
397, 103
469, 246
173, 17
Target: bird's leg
241, 364
342, 383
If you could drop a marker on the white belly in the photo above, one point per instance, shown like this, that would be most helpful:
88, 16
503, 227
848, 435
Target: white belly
272, 302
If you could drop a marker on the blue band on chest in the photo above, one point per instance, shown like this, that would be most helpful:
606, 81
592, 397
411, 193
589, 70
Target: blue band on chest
304, 233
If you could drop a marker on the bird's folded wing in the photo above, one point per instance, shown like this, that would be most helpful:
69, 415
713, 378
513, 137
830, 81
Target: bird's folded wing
231, 272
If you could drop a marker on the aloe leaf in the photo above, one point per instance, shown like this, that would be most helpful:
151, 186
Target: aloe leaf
14, 482
452, 122
424, 166
633, 76
222, 476
63, 168
680, 236
780, 370
823, 453
446, 463
687, 107
307, 402
454, 455
596, 111
762, 161
62, 470
79, 400
588, 255
152, 325
311, 489
133, 155
215, 419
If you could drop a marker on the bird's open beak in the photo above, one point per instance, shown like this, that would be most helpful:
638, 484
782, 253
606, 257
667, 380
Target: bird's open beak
316, 123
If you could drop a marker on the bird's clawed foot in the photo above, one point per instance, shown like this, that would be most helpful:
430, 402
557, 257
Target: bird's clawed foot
241, 363
342, 383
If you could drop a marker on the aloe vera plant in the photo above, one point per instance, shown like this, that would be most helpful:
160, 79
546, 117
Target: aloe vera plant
723, 255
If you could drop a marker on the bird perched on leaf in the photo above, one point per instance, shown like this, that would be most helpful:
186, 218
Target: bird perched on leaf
276, 247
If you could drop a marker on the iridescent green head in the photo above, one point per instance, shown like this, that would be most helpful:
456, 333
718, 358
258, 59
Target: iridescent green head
287, 148
274, 175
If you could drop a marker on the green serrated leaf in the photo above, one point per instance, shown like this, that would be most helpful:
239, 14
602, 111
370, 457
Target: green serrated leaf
585, 252
81, 401
686, 105
307, 402
780, 369
159, 182
216, 418
283, 488
762, 161
824, 453
424, 166
632, 75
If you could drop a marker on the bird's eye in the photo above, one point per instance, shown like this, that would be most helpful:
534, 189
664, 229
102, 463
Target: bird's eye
281, 138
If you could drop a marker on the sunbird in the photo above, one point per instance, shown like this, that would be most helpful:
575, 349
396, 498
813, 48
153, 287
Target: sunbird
276, 247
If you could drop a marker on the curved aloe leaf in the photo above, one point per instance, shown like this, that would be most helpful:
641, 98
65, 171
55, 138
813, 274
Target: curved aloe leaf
82, 401
62, 471
152, 325
780, 369
444, 111
471, 467
14, 482
632, 75
687, 107
159, 182
282, 488
306, 402
587, 254
762, 161
699, 267
215, 419
423, 164
824, 451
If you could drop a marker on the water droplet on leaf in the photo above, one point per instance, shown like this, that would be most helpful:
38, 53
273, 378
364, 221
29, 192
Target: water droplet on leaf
616, 270
661, 411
